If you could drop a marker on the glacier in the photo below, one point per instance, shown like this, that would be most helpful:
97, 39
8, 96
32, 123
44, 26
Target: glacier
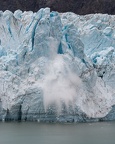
57, 67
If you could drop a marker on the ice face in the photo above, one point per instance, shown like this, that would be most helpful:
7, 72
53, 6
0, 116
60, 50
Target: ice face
56, 67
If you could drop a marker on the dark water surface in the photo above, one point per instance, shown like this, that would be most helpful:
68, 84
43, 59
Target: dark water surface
38, 133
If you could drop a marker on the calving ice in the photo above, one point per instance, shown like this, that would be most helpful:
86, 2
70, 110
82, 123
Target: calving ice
56, 66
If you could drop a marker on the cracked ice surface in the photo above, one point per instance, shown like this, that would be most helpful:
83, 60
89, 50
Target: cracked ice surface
56, 67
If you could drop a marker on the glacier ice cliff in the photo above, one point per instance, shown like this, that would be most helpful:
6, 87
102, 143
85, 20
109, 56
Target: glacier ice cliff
57, 67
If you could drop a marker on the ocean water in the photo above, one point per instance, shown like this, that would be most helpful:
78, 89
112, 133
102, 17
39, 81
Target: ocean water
42, 133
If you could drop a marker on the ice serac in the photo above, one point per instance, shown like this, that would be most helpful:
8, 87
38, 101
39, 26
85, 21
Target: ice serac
56, 67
